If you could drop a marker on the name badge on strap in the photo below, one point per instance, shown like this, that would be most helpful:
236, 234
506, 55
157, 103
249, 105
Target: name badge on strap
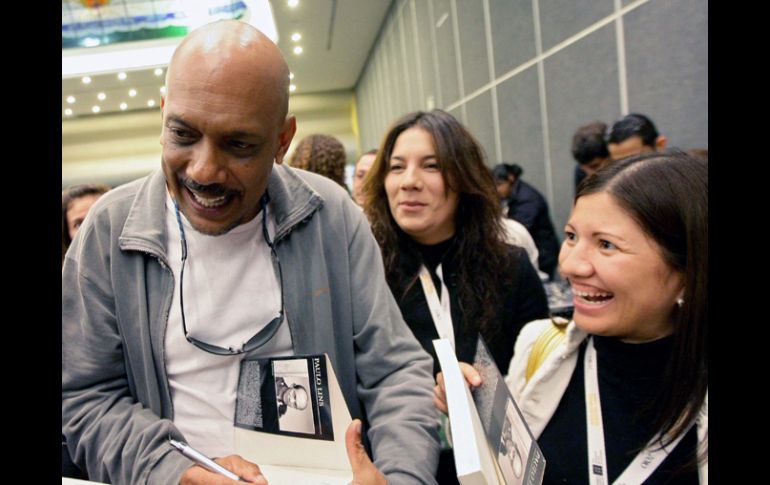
643, 464
440, 310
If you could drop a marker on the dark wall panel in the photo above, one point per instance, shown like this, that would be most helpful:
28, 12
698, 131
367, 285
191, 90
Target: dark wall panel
576, 96
667, 59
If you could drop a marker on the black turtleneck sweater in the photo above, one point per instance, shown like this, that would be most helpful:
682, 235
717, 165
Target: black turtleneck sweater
524, 300
629, 378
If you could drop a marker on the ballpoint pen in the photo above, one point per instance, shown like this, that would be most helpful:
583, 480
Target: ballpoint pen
202, 459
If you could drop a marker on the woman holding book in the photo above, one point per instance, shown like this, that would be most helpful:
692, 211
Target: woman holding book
434, 211
636, 256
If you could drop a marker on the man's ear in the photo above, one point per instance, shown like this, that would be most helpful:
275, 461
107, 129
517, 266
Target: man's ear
660, 143
162, 105
285, 137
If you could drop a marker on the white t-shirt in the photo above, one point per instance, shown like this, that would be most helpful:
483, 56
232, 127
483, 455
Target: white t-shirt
231, 291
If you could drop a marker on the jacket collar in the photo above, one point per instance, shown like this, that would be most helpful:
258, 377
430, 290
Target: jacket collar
292, 201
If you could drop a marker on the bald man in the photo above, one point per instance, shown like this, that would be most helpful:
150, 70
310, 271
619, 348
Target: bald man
224, 255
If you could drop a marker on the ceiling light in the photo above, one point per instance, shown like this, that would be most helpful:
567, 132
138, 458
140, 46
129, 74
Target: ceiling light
151, 103
292, 3
68, 112
163, 90
123, 106
101, 96
91, 42
70, 99
122, 76
86, 80
132, 92
95, 109
158, 71
291, 75
298, 50
296, 36
292, 88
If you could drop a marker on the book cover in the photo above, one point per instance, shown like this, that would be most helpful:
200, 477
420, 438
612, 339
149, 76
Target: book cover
474, 462
291, 418
515, 449
492, 443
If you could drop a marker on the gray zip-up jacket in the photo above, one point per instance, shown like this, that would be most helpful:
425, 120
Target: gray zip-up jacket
116, 292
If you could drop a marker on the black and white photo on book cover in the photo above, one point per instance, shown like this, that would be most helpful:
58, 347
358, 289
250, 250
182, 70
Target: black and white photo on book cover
285, 395
517, 454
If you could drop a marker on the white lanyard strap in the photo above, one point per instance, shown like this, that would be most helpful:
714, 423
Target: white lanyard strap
440, 311
645, 462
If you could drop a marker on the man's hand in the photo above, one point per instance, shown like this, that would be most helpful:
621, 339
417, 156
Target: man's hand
248, 471
472, 377
364, 471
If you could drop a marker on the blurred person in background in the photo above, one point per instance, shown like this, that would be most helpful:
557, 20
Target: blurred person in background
589, 149
634, 134
76, 201
321, 154
362, 168
524, 203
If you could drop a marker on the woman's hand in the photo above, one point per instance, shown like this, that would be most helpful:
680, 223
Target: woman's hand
472, 377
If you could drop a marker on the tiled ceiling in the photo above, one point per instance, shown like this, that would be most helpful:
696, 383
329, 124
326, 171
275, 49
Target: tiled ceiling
145, 86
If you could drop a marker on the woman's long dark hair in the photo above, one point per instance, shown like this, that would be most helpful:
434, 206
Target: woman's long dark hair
479, 247
667, 195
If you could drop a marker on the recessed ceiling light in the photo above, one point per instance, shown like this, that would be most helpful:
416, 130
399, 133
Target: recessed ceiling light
123, 106
296, 36
101, 96
158, 71
86, 79
68, 112
95, 109
292, 3
291, 75
122, 76
163, 90
298, 49
70, 99
132, 92
151, 103
292, 88
91, 42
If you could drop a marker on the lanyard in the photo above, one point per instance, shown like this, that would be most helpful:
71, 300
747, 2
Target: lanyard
440, 311
645, 462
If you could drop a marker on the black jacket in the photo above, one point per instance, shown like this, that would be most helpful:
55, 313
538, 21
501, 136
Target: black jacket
524, 300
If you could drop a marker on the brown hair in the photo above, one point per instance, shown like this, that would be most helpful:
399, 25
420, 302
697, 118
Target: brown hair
321, 154
479, 242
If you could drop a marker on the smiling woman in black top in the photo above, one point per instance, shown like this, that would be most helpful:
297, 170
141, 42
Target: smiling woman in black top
432, 203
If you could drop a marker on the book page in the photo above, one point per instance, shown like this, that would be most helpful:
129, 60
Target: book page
474, 462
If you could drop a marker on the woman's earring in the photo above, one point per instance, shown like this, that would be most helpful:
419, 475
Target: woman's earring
680, 302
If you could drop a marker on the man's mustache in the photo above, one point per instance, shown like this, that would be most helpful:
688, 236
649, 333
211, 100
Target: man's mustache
213, 190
